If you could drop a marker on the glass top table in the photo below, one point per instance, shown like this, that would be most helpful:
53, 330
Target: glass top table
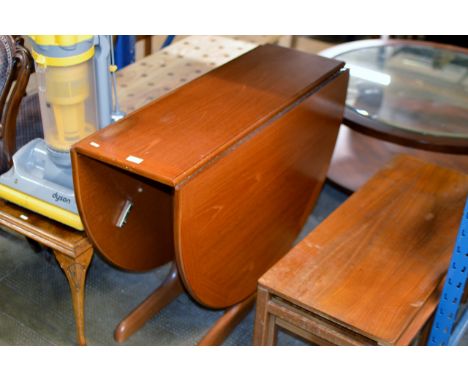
407, 92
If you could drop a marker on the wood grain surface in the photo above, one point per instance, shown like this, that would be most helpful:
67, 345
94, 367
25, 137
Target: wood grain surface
175, 135
45, 231
375, 261
231, 165
146, 240
233, 227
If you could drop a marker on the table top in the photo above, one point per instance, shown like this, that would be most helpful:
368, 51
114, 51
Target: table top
376, 261
408, 92
163, 135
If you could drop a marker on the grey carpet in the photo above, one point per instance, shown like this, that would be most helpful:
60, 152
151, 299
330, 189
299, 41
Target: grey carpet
35, 306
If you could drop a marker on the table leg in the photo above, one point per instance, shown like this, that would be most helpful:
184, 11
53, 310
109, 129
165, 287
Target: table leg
426, 331
264, 328
75, 270
226, 324
170, 288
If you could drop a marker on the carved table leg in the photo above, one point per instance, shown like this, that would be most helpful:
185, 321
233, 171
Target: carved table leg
75, 270
226, 324
170, 288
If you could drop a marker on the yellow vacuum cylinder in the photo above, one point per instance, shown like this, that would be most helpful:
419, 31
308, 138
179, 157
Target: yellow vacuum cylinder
66, 91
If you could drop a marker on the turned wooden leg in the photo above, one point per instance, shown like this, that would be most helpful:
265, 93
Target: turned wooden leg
226, 324
265, 328
170, 288
75, 270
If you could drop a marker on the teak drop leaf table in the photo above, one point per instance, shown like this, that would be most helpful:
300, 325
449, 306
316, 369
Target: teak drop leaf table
218, 176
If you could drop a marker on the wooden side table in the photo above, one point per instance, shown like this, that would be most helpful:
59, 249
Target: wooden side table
372, 272
71, 248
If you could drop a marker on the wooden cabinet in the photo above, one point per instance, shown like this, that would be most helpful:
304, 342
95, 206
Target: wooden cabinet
220, 174
372, 272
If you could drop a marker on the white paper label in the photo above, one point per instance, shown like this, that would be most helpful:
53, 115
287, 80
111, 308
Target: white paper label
133, 159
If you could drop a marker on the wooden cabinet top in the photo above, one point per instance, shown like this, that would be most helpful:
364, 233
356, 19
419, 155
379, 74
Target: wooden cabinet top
173, 137
376, 261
